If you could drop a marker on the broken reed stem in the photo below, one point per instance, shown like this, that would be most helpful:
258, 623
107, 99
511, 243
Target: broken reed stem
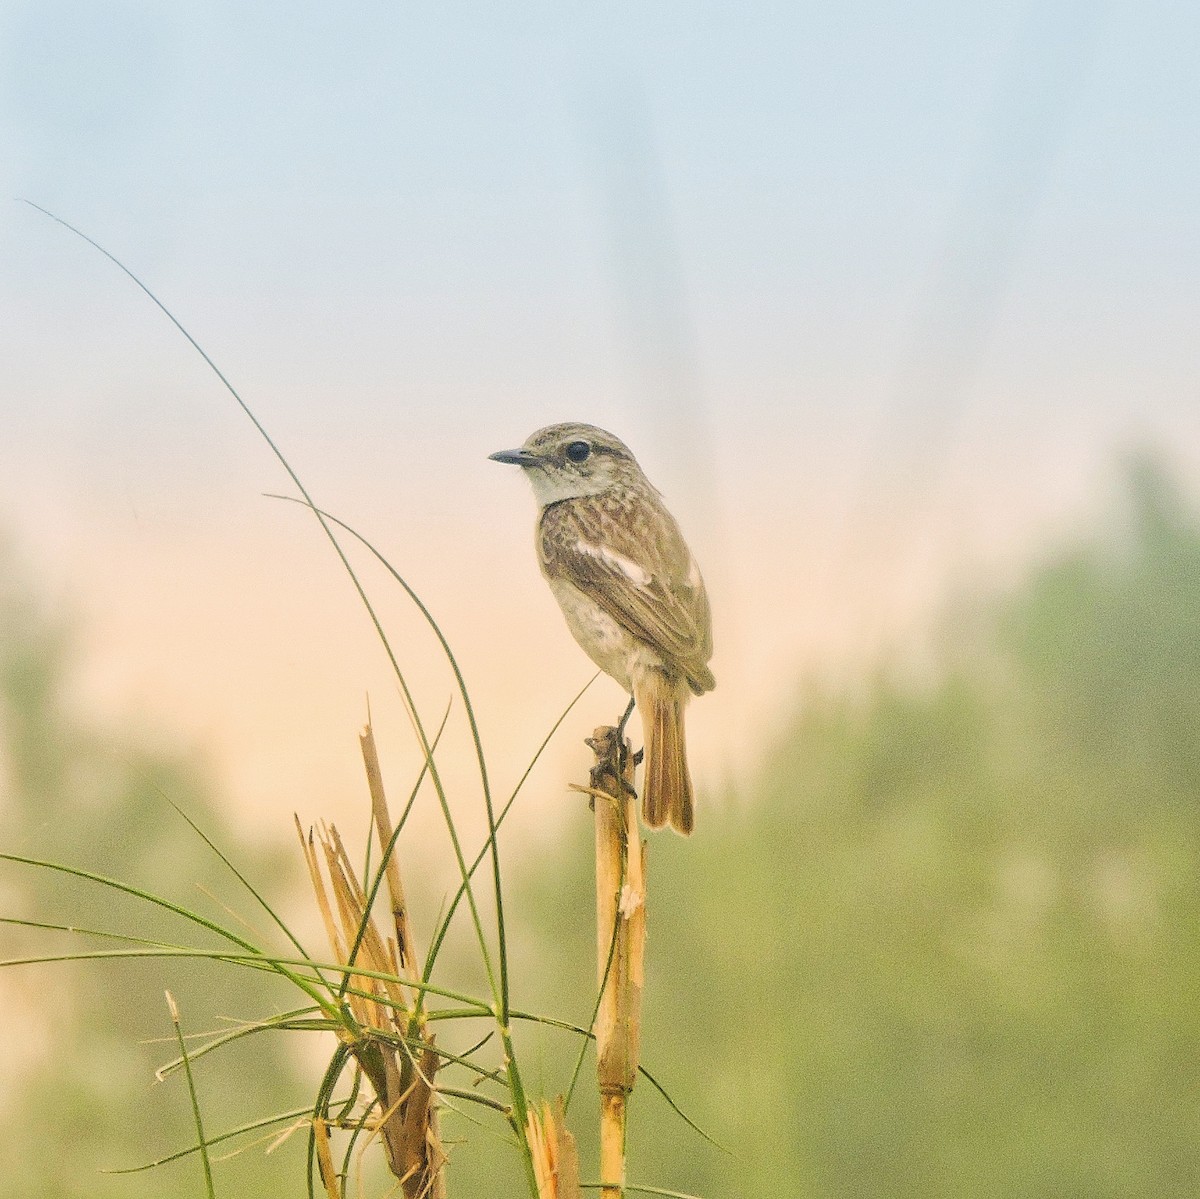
420, 1171
555, 1160
620, 947
385, 831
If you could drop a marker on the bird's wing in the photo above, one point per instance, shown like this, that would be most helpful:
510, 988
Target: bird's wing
631, 559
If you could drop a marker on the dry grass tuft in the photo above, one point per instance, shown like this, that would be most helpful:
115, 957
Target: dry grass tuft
391, 1042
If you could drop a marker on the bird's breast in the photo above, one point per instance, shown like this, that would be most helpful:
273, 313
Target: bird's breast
610, 646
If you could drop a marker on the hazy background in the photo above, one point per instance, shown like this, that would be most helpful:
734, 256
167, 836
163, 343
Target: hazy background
882, 297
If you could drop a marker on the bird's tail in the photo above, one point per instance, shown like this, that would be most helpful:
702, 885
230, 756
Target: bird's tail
667, 785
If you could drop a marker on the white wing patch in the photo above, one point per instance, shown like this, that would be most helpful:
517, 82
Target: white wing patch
693, 578
627, 566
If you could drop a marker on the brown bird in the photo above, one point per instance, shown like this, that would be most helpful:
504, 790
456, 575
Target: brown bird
630, 590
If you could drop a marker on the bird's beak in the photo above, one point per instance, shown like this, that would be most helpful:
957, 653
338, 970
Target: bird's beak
515, 457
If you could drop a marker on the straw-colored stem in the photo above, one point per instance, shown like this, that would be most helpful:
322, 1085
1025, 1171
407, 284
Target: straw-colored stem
612, 1145
555, 1159
385, 831
329, 1177
620, 944
411, 1130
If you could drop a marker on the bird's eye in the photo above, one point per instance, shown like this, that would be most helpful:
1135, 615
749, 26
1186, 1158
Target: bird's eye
578, 451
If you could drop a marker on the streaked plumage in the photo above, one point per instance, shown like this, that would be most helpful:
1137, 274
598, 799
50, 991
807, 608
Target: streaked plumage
629, 588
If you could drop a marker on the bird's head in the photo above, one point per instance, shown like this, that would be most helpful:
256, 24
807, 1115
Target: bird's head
567, 461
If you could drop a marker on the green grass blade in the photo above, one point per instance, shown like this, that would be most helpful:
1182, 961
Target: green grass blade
166, 904
491, 845
294, 1021
80, 930
137, 893
229, 1135
478, 1008
201, 1142
477, 1098
352, 1141
566, 1026
443, 925
225, 860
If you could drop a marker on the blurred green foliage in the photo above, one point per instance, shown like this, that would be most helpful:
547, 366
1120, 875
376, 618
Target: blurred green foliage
947, 947
950, 946
79, 1092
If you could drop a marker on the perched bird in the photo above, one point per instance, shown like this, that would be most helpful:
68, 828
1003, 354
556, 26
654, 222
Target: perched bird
629, 588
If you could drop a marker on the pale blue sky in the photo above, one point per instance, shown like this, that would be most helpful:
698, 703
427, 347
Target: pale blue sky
469, 206
845, 276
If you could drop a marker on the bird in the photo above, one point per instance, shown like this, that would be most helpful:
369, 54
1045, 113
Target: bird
629, 589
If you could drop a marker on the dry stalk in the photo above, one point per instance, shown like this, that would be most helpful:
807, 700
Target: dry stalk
620, 946
555, 1158
387, 1013
384, 830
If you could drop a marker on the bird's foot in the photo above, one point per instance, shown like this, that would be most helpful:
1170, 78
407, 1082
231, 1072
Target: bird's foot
613, 771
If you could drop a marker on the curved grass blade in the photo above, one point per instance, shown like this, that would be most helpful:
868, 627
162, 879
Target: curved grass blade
443, 925
498, 991
270, 965
284, 1022
179, 910
491, 844
225, 860
352, 1141
566, 1026
80, 930
477, 1097
243, 1130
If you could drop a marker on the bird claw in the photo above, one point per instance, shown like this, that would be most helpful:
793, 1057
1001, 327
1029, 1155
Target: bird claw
612, 757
